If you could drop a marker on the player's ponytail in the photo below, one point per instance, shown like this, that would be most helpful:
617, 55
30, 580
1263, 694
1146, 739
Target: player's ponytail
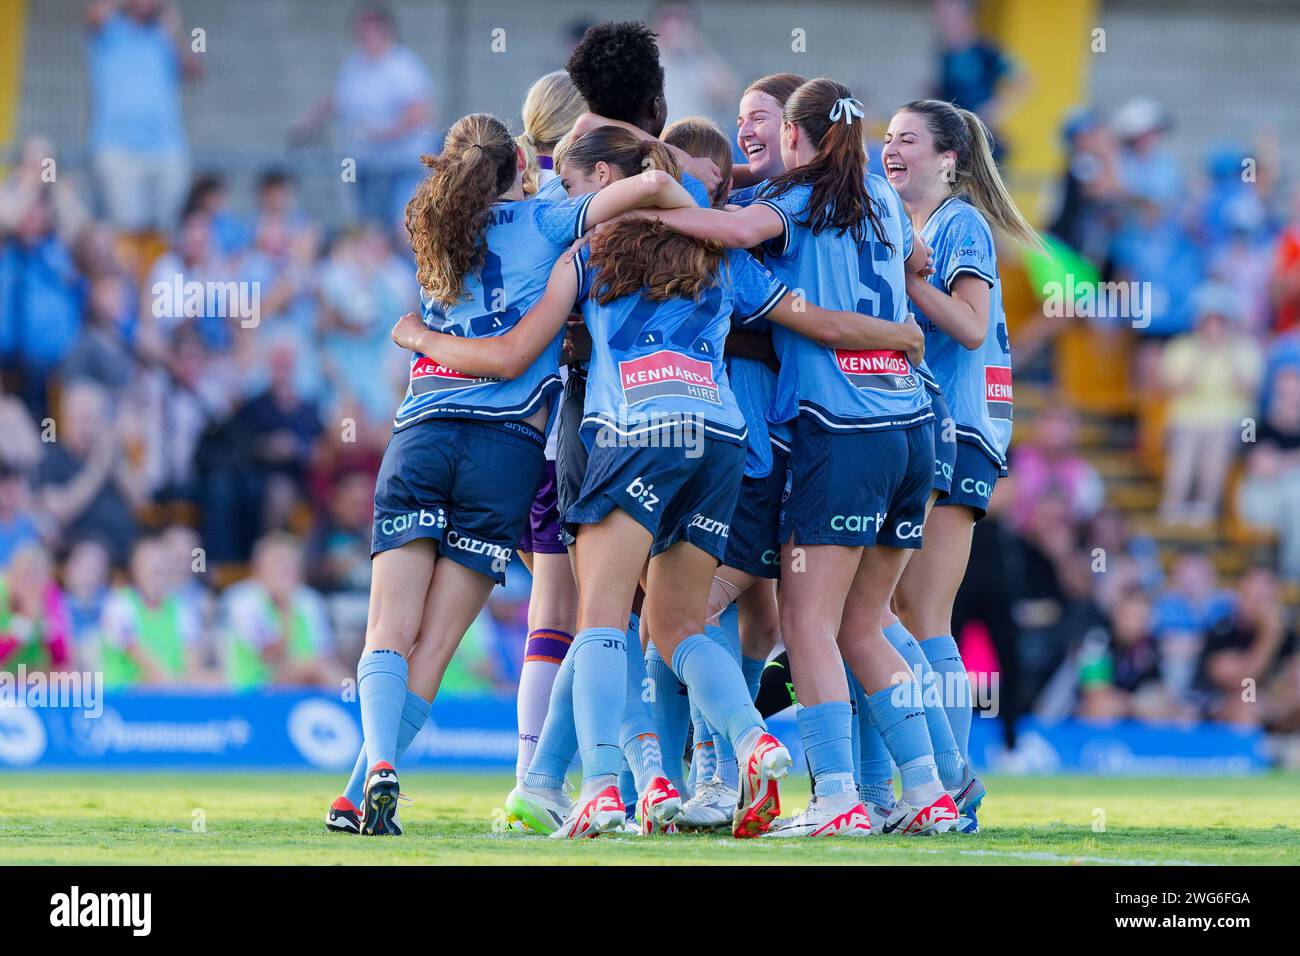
552, 106
827, 113
447, 218
633, 256
963, 133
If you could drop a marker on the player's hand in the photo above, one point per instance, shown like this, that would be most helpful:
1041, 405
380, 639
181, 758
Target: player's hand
408, 331
574, 249
921, 262
916, 347
701, 167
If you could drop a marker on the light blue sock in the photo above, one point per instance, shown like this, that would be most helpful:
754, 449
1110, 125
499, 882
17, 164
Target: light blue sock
415, 711
627, 789
670, 709
947, 757
752, 668
875, 768
950, 672
381, 687
704, 759
637, 735
826, 730
599, 696
717, 685
726, 633
558, 741
898, 715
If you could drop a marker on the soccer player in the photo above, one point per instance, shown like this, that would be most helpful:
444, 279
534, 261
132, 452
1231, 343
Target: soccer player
940, 160
552, 106
845, 240
466, 454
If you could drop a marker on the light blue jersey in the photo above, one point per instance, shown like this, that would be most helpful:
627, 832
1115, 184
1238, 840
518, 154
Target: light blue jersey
976, 382
845, 389
755, 384
524, 239
653, 363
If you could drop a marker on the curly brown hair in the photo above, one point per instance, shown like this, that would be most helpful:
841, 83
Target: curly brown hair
645, 256
447, 217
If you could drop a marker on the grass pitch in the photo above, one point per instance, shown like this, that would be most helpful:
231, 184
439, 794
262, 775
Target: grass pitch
258, 818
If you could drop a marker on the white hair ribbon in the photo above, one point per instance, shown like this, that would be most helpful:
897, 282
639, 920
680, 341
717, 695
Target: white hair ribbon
847, 107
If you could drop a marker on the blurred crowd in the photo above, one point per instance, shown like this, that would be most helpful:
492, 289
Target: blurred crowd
196, 399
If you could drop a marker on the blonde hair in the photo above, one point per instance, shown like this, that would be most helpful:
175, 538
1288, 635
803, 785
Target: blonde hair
552, 106
965, 134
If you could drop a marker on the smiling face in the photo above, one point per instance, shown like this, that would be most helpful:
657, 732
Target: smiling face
911, 164
758, 131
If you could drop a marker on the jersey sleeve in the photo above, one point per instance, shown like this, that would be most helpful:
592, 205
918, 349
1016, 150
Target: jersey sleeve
581, 265
969, 250
787, 206
755, 290
697, 190
560, 223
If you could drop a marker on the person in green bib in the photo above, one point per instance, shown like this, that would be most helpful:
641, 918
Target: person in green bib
149, 635
276, 628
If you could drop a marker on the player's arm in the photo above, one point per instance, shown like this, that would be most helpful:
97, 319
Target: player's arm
848, 330
498, 356
964, 315
742, 229
652, 188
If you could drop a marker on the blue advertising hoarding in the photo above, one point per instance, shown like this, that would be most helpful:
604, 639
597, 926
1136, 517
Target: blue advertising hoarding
307, 730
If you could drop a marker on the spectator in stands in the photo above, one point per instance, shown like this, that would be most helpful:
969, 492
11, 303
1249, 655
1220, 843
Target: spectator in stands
1089, 188
86, 481
34, 629
209, 195
101, 353
148, 634
40, 303
137, 60
1157, 255
339, 553
1149, 171
974, 72
1120, 669
86, 590
697, 81
383, 103
18, 527
22, 448
36, 176
1284, 290
276, 627
1242, 652
1184, 613
193, 259
277, 429
1049, 462
363, 284
1211, 375
1269, 494
1120, 559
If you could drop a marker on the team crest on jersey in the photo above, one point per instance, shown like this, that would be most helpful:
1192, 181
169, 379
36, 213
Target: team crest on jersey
879, 369
430, 376
997, 391
667, 373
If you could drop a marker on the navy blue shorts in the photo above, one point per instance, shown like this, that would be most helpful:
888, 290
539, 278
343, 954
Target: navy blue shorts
673, 496
754, 545
973, 478
542, 534
858, 489
467, 485
945, 444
